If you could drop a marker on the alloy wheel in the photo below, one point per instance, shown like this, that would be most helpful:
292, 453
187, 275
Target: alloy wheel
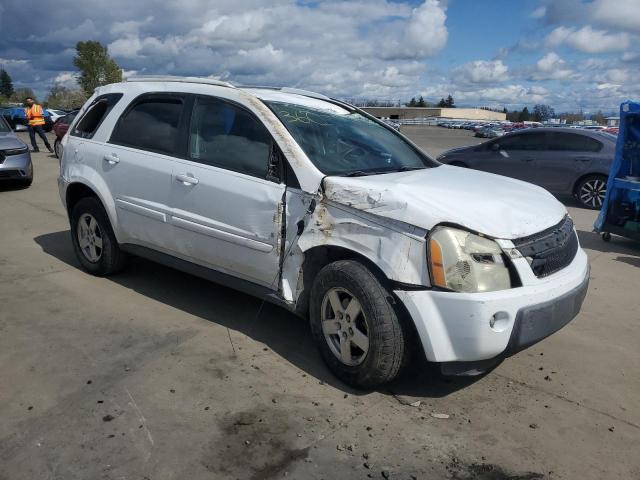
592, 192
345, 326
89, 237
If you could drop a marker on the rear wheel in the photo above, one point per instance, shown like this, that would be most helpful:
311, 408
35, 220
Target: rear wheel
355, 326
93, 239
591, 191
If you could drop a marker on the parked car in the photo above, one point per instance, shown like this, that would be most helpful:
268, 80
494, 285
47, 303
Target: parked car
318, 207
60, 128
392, 124
56, 114
564, 161
15, 159
17, 119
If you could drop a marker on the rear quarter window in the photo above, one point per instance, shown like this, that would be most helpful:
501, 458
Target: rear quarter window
151, 123
87, 126
573, 142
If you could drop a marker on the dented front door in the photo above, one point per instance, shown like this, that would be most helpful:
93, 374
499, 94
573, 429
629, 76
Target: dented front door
226, 207
228, 221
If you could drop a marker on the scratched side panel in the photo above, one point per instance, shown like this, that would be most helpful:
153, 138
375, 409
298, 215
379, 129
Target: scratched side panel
397, 249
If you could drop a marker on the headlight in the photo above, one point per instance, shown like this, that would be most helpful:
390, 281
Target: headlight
16, 151
465, 262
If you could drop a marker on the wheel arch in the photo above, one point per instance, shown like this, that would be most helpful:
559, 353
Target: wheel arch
581, 178
78, 190
318, 257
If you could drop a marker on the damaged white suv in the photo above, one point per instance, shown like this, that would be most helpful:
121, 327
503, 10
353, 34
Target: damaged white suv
312, 204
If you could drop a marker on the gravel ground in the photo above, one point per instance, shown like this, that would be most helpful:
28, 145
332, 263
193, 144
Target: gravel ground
154, 374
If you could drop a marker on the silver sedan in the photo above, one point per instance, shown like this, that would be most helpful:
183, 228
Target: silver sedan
15, 159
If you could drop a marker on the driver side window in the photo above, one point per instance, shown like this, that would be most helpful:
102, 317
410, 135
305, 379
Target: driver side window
227, 136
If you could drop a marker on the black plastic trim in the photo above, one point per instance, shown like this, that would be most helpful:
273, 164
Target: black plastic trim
210, 274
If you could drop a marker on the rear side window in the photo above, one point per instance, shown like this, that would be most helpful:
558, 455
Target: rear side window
525, 141
573, 142
95, 114
152, 123
227, 136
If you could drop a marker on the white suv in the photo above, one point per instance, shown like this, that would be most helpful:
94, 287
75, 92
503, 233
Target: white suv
314, 205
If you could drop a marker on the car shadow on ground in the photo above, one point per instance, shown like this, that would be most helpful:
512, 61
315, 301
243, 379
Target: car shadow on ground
283, 332
593, 241
12, 185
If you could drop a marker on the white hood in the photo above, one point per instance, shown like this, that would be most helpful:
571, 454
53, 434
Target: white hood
496, 206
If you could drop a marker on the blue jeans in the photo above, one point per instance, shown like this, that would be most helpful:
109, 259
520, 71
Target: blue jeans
32, 135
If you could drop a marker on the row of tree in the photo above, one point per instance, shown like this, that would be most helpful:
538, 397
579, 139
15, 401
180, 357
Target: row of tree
95, 67
443, 103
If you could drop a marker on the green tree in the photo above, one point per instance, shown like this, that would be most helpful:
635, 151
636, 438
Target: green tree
96, 66
442, 103
64, 98
524, 115
542, 113
421, 102
449, 102
6, 84
19, 94
599, 118
412, 102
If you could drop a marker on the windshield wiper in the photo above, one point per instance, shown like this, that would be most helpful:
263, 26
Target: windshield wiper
409, 169
358, 173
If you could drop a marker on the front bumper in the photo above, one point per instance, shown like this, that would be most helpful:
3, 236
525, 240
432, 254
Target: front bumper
16, 167
471, 327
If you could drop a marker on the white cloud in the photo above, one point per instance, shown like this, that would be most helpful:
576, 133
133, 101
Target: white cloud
483, 71
623, 14
588, 40
551, 67
66, 79
426, 29
539, 12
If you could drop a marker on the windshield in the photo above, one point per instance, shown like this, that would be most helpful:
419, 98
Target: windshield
341, 142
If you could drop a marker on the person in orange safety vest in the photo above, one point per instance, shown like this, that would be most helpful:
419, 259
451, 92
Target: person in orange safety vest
35, 117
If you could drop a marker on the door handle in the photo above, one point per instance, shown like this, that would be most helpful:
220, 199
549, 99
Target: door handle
186, 179
583, 159
528, 159
111, 158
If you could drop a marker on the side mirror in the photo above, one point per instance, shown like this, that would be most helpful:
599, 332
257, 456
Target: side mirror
495, 146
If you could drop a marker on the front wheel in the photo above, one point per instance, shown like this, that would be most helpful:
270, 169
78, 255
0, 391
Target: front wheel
591, 191
93, 239
356, 326
57, 148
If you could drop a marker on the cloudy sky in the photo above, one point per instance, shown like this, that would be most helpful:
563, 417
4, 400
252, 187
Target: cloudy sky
571, 54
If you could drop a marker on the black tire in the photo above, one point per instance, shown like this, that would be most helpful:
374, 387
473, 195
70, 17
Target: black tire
388, 345
111, 259
591, 183
56, 147
606, 236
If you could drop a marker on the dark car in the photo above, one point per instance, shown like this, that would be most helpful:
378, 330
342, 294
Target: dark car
564, 161
60, 128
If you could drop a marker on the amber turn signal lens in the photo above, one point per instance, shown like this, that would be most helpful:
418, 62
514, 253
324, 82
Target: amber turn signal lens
437, 267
